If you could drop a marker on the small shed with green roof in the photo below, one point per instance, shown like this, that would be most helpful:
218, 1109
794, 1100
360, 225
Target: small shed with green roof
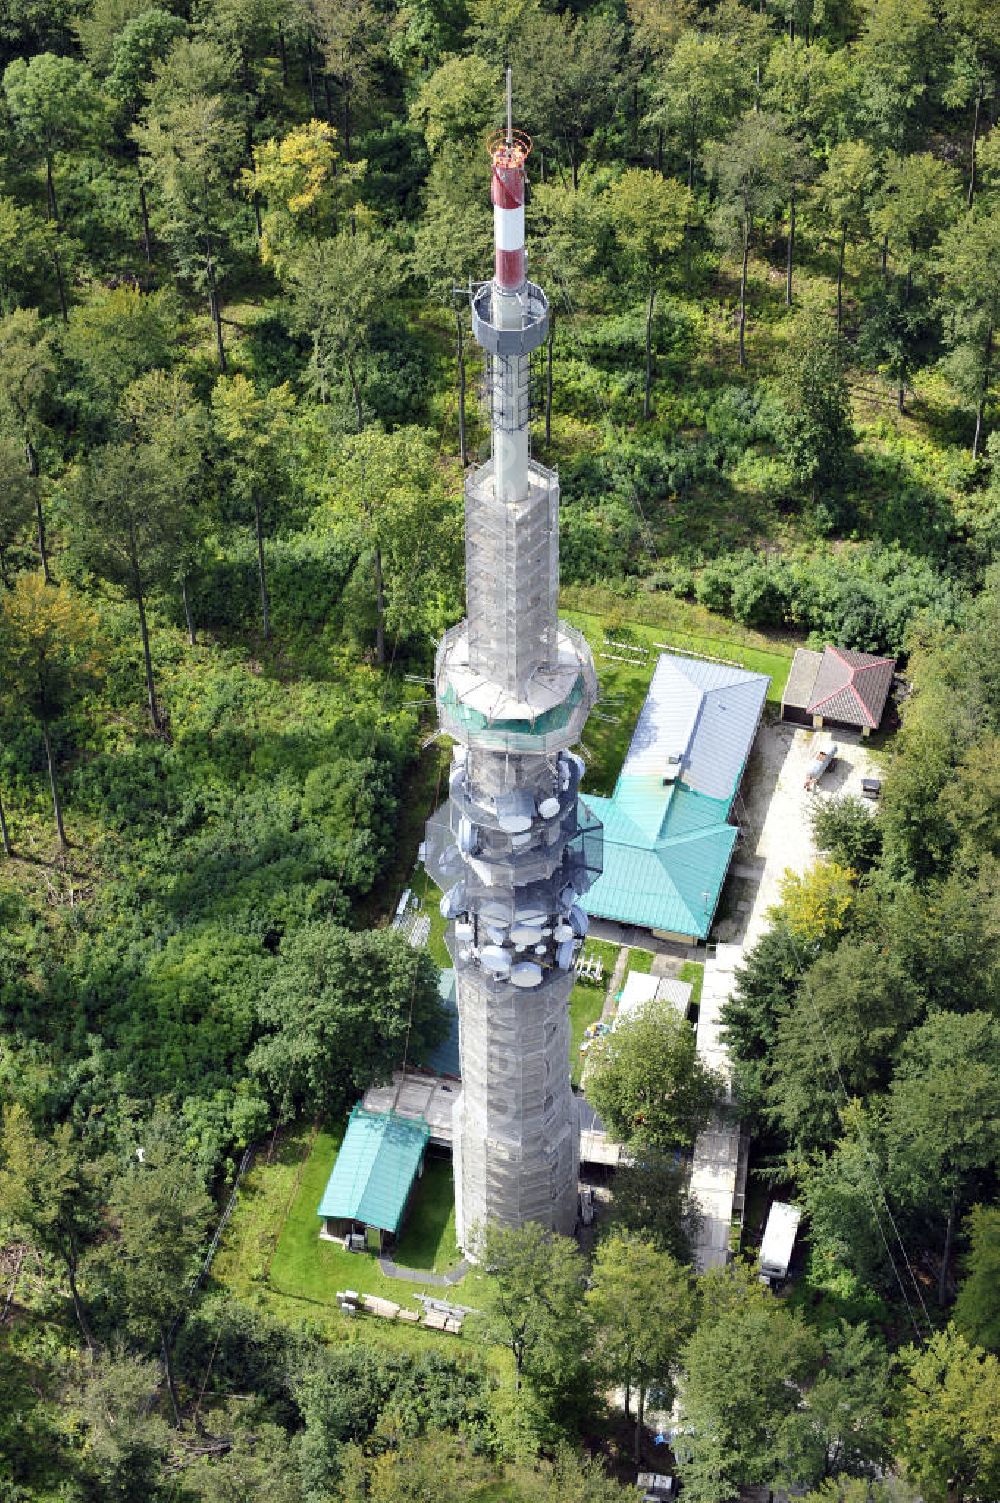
380, 1159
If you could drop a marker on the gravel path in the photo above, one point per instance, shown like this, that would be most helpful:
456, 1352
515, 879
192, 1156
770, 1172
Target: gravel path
420, 1276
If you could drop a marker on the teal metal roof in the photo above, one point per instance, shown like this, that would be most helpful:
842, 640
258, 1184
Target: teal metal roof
375, 1168
667, 845
672, 881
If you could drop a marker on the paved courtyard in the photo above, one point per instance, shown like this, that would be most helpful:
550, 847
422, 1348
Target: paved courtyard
774, 813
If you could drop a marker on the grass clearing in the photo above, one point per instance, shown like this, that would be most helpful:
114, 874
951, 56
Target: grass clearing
428, 1239
272, 1253
586, 1001
694, 972
641, 961
624, 672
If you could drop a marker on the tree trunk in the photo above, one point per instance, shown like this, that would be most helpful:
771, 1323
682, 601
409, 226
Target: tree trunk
460, 347
646, 406
43, 553
548, 376
56, 806
379, 609
60, 286
327, 99
168, 1371
265, 605
283, 54
187, 611
50, 190
258, 225
356, 391
78, 1302
147, 244
8, 849
147, 657
574, 168
743, 290
901, 393
885, 256
949, 1232
4, 576
347, 125
977, 436
310, 76
659, 148
628, 1399
791, 250
640, 1407
214, 306
840, 277
975, 139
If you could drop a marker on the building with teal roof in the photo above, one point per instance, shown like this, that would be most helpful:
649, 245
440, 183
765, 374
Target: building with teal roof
379, 1161
667, 837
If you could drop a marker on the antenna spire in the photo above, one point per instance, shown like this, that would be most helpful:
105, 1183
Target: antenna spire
510, 112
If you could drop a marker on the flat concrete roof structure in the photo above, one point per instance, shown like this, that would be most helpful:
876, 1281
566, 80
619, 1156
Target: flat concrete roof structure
641, 989
418, 1097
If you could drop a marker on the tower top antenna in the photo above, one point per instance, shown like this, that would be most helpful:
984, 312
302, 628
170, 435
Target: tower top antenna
510, 109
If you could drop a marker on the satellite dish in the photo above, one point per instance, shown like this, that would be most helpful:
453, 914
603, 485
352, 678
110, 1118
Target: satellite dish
526, 973
514, 824
495, 960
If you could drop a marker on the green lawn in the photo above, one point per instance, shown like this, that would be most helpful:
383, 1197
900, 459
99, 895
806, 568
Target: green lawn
693, 971
430, 904
428, 1240
272, 1253
624, 681
586, 1002
641, 961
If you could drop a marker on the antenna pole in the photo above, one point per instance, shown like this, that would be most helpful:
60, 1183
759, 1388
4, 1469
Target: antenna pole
510, 112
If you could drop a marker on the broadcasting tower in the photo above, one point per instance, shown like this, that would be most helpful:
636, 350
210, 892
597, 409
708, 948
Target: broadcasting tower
513, 848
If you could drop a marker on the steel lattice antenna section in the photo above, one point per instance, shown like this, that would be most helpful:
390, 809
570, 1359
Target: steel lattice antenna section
514, 848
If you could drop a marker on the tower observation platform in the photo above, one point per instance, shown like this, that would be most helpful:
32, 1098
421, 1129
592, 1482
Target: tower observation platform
514, 848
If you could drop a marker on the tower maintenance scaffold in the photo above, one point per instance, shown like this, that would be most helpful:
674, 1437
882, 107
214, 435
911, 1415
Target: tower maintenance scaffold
514, 847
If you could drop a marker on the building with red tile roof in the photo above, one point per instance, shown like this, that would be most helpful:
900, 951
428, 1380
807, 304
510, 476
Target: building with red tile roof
837, 687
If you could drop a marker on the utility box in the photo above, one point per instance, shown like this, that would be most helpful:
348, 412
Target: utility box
779, 1240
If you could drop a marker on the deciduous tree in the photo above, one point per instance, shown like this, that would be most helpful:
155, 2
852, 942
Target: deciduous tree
55, 107
52, 1192
943, 1122
969, 267
536, 1297
649, 213
161, 1216
643, 1308
48, 659
752, 167
27, 366
340, 1012
947, 1432
648, 1083
977, 1308
255, 428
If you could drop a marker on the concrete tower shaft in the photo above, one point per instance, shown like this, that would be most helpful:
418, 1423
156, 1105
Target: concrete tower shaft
513, 848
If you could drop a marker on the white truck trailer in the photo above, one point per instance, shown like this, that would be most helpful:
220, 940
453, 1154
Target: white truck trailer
779, 1240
